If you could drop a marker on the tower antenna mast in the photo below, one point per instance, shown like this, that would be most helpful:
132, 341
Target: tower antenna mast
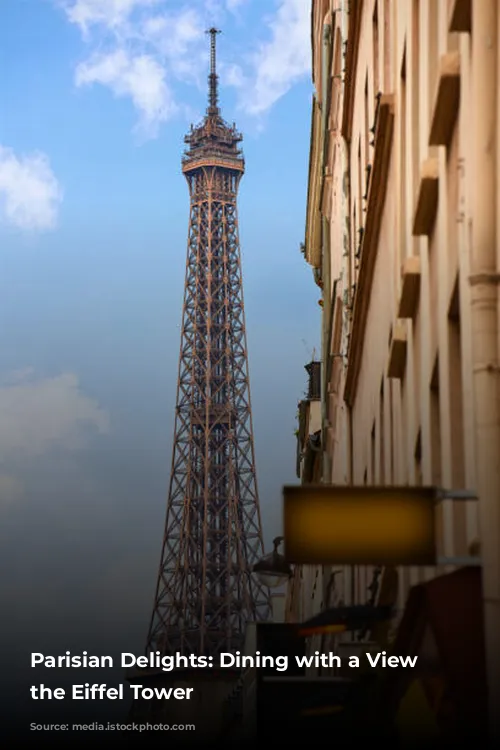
213, 80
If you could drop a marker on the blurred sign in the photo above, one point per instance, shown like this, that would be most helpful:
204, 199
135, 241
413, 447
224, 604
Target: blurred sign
336, 525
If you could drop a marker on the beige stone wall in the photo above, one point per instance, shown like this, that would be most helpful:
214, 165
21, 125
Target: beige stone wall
412, 429
420, 425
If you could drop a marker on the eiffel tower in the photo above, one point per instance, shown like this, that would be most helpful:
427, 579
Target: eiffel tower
206, 593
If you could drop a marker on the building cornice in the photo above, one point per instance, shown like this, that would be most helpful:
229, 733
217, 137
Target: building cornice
313, 215
369, 245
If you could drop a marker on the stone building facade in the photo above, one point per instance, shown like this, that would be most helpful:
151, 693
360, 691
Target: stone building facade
402, 234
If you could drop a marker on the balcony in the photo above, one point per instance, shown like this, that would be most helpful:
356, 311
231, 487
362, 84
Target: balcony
460, 16
447, 100
427, 200
397, 356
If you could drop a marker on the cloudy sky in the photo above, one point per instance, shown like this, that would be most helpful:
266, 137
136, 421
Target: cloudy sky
95, 97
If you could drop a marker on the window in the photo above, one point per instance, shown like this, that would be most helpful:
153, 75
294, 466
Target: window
415, 87
373, 454
376, 43
436, 452
432, 54
456, 419
366, 133
360, 185
418, 459
381, 432
392, 446
387, 44
360, 202
435, 427
402, 158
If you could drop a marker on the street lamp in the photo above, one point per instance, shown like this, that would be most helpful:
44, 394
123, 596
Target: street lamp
273, 570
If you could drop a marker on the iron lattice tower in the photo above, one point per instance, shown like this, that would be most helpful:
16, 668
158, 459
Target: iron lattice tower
206, 591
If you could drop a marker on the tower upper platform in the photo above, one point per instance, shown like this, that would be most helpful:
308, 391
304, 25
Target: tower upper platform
213, 143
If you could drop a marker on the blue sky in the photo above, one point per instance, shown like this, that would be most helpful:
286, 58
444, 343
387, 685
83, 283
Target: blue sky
95, 98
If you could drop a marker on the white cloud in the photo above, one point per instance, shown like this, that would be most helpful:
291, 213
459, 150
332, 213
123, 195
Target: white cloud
37, 415
178, 39
233, 5
30, 194
282, 61
173, 33
141, 78
232, 75
137, 51
141, 49
110, 13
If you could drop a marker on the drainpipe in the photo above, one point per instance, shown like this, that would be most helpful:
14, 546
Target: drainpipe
485, 267
326, 57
